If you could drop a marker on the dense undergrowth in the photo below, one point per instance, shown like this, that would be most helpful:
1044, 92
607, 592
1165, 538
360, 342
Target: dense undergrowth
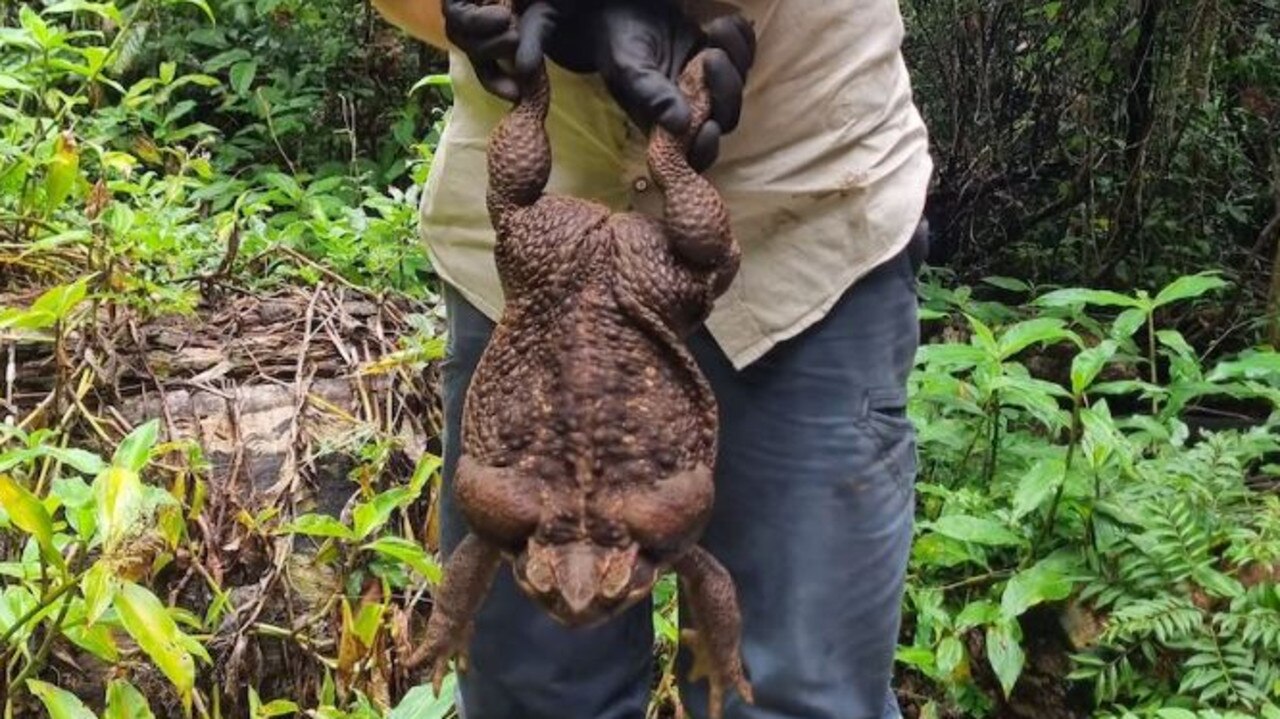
1098, 524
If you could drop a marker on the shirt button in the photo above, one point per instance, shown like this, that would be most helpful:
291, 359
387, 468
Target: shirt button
640, 184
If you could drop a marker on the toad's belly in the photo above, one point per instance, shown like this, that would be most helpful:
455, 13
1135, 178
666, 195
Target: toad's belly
584, 395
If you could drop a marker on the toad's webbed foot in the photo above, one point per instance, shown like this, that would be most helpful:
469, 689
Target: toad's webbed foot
468, 574
716, 643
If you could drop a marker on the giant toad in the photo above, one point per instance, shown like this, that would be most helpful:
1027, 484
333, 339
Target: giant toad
589, 433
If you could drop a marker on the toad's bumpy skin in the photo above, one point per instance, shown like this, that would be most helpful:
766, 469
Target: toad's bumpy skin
589, 433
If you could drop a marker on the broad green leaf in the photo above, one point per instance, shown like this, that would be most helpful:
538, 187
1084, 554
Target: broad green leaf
422, 702
61, 173
80, 460
1128, 322
1036, 486
1255, 366
1086, 365
366, 622
318, 525
1005, 654
1007, 283
983, 337
135, 448
976, 530
976, 614
60, 703
104, 10
953, 356
147, 620
28, 514
1077, 296
950, 655
410, 553
242, 74
1175, 713
98, 587
1036, 331
9, 83
98, 640
124, 701
1185, 288
119, 498
1048, 580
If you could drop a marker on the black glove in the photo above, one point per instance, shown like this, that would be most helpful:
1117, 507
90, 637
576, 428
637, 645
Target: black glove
639, 48
492, 41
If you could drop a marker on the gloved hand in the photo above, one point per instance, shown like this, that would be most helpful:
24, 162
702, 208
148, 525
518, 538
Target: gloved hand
639, 47
489, 37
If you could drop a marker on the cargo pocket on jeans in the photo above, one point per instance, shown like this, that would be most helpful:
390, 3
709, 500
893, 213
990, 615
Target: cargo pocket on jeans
895, 435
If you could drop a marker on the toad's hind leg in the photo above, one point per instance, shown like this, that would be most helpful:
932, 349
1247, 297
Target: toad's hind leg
467, 578
697, 222
519, 153
717, 637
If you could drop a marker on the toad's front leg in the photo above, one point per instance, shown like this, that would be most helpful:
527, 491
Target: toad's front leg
467, 577
716, 641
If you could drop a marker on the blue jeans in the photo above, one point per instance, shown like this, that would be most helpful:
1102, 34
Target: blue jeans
813, 518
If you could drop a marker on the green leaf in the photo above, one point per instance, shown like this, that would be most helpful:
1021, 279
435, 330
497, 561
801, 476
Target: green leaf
148, 621
410, 553
1048, 580
1007, 283
976, 614
119, 499
983, 337
318, 525
135, 448
60, 703
949, 655
422, 702
80, 460
104, 10
1128, 322
124, 701
1036, 331
976, 530
54, 305
1191, 286
1072, 297
99, 587
1175, 713
28, 514
1005, 654
1036, 486
1086, 365
242, 74
1254, 366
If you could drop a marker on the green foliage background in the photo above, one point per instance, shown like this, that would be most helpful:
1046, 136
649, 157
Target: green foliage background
1098, 526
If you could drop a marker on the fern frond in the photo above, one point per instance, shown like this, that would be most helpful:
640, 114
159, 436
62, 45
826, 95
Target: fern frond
1167, 619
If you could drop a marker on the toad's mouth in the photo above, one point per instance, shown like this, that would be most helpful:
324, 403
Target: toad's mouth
580, 583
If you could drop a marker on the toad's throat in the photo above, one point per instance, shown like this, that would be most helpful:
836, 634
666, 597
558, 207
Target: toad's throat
581, 583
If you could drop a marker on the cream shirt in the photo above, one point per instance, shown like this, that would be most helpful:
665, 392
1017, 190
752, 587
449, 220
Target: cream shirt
825, 177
